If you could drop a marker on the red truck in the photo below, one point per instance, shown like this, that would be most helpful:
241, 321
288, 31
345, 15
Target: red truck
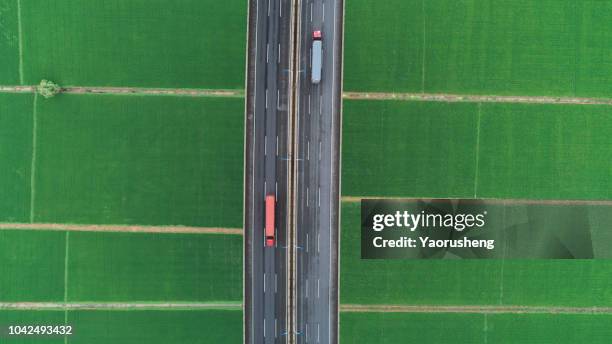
270, 205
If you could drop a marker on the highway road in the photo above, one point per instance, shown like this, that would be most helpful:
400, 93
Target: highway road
267, 165
317, 189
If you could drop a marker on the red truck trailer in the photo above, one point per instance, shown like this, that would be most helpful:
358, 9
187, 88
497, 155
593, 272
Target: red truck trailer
270, 205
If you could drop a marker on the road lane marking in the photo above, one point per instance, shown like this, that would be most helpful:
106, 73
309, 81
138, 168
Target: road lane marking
280, 2
318, 293
266, 98
318, 242
311, 12
319, 196
320, 150
276, 145
277, 98
309, 104
318, 333
269, 7
323, 14
320, 105
307, 288
306, 242
264, 328
265, 146
278, 59
308, 151
264, 286
307, 196
276, 190
267, 52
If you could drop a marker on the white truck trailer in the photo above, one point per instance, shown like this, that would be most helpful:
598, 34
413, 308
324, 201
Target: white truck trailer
317, 56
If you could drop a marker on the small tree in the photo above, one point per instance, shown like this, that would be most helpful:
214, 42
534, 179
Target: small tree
48, 89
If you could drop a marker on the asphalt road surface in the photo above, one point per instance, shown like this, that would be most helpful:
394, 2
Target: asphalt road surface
267, 167
318, 137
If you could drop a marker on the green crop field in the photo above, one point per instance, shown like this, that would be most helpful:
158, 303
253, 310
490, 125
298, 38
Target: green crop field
144, 43
408, 148
15, 156
154, 267
9, 43
474, 328
201, 326
140, 159
429, 149
143, 326
13, 317
119, 267
470, 282
31, 266
523, 47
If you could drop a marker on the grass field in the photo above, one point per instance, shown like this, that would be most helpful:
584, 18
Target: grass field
10, 317
550, 47
119, 267
32, 266
474, 328
208, 326
414, 148
429, 149
15, 156
9, 43
135, 43
139, 159
470, 282
90, 327
150, 267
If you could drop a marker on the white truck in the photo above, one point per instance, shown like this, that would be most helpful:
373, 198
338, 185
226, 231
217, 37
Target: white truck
317, 56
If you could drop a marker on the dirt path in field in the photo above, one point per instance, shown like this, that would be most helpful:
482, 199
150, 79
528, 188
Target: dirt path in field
441, 97
116, 305
355, 199
475, 309
132, 90
120, 228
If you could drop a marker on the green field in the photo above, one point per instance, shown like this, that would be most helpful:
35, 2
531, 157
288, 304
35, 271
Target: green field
15, 156
119, 267
470, 282
429, 149
139, 160
154, 267
207, 326
9, 43
545, 151
408, 148
90, 327
144, 43
522, 47
10, 317
474, 328
32, 266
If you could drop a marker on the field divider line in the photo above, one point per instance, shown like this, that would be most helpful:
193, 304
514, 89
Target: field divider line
236, 93
354, 308
33, 161
455, 98
477, 149
118, 228
356, 199
68, 306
